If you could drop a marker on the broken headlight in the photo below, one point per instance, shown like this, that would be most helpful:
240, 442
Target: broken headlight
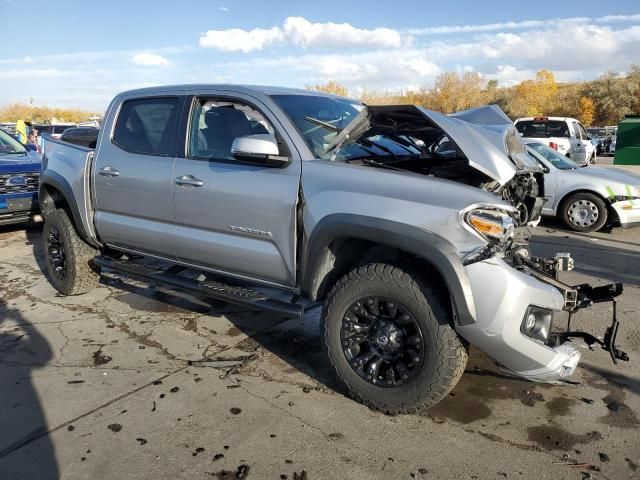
493, 225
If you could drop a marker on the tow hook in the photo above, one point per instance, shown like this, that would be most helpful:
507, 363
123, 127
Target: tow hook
587, 296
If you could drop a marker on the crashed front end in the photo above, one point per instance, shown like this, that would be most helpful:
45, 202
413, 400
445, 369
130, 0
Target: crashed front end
516, 309
515, 295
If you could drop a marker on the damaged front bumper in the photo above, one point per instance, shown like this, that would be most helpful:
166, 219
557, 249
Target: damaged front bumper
628, 212
506, 292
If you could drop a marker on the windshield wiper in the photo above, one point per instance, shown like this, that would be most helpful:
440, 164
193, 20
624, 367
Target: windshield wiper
370, 161
326, 125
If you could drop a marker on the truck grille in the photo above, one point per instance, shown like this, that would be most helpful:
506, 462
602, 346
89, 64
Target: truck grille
26, 182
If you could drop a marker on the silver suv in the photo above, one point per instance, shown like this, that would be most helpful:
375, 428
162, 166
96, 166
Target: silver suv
410, 227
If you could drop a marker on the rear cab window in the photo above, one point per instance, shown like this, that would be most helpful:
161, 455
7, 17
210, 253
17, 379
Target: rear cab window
542, 128
148, 126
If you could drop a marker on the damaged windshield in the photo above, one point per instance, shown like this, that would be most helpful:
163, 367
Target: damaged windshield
318, 118
321, 119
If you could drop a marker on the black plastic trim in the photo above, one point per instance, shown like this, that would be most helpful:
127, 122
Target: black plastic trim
55, 180
423, 244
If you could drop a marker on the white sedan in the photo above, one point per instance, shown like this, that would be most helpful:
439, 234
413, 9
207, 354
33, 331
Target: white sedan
586, 198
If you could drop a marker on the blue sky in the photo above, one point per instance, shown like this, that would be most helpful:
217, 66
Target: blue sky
80, 54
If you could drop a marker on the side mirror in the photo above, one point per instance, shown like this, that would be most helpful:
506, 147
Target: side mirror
261, 148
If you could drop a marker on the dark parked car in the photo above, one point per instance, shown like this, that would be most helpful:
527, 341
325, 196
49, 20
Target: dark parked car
84, 136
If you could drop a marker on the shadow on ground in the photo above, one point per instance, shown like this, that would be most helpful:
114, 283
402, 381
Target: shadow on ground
22, 350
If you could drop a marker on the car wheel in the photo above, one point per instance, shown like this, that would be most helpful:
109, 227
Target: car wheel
584, 212
390, 340
68, 257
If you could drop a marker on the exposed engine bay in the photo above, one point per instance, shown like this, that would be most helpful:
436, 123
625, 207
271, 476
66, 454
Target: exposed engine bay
404, 138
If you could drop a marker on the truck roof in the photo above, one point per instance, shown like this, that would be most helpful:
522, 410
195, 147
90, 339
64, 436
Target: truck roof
261, 89
562, 119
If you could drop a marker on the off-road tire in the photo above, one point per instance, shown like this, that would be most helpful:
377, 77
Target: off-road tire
80, 276
446, 353
593, 200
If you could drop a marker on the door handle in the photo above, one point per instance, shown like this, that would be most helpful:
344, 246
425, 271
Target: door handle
109, 172
189, 180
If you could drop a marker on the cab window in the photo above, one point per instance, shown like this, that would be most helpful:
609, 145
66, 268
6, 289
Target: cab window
215, 124
148, 126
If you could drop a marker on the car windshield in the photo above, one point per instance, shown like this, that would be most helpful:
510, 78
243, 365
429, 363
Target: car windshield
597, 132
557, 160
9, 145
543, 128
318, 118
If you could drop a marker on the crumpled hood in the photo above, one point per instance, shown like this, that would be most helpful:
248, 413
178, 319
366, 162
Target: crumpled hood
485, 135
11, 163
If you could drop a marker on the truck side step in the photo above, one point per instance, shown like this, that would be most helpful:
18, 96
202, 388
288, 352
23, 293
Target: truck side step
218, 290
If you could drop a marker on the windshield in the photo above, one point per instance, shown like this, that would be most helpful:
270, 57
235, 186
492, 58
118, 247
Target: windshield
320, 120
10, 145
597, 132
309, 112
556, 159
543, 128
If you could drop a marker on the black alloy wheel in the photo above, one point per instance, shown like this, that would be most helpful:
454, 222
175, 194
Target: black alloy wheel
382, 341
57, 257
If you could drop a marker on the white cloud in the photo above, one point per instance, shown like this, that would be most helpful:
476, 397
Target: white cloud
238, 40
149, 59
223, 9
619, 18
300, 32
521, 25
567, 47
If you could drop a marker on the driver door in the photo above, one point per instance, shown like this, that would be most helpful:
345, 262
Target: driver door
231, 216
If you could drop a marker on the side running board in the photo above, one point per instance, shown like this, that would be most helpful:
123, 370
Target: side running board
235, 294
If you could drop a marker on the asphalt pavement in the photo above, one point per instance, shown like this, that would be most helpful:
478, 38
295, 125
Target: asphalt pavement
131, 382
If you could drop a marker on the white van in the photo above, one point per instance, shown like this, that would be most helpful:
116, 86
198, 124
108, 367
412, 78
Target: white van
566, 135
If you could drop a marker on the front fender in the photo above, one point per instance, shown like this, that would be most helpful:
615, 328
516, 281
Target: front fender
421, 243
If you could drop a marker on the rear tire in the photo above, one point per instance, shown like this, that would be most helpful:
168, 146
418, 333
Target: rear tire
68, 257
415, 357
584, 212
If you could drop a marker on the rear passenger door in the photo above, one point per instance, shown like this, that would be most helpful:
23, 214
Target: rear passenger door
133, 176
235, 216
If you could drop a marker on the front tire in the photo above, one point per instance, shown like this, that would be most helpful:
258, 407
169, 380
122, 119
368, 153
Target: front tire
390, 340
584, 212
68, 257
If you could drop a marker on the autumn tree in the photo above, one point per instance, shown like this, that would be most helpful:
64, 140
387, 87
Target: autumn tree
587, 111
535, 97
614, 96
21, 111
330, 87
453, 92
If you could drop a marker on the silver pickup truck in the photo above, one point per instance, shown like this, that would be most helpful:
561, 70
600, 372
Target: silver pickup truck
409, 226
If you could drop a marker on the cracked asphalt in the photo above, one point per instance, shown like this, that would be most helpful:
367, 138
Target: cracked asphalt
131, 382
